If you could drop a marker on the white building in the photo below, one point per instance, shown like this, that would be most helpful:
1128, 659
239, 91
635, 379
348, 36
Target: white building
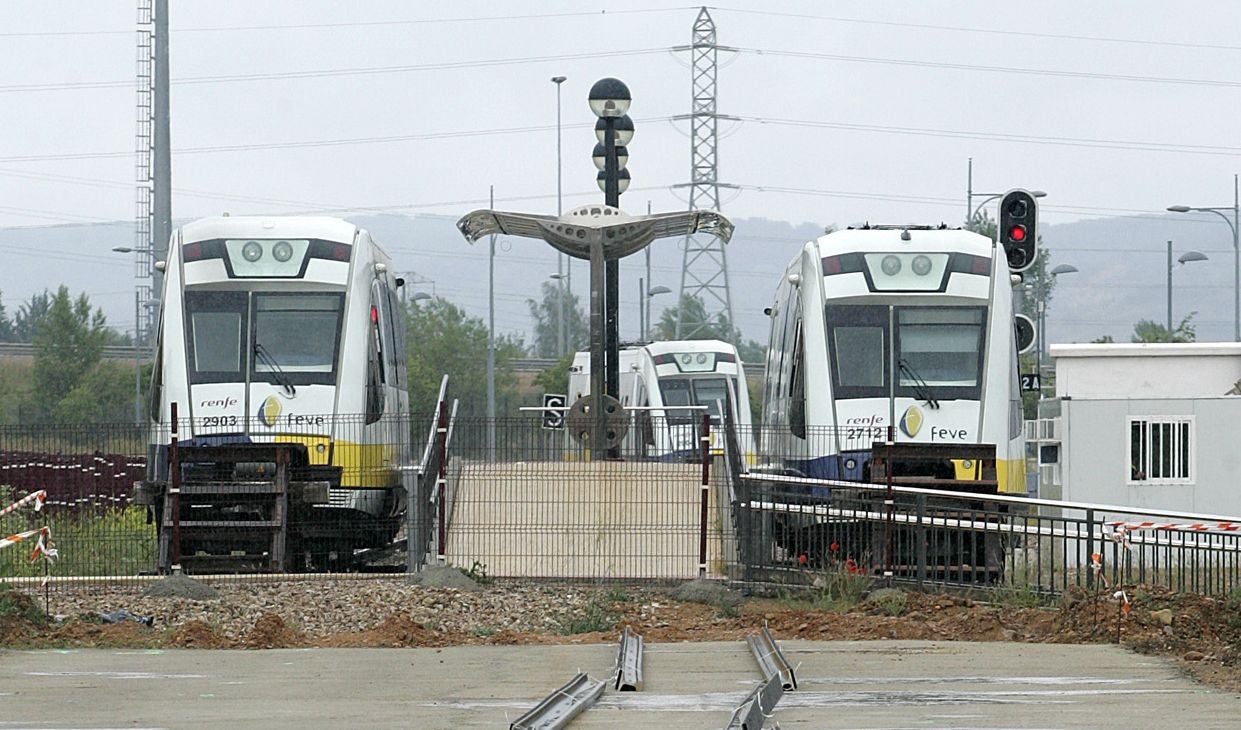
1156, 426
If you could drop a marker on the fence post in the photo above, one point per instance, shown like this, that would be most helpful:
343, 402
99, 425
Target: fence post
920, 539
174, 494
706, 486
889, 500
1090, 547
441, 484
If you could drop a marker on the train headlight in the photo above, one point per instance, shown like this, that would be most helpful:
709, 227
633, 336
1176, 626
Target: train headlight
891, 265
252, 251
283, 251
922, 265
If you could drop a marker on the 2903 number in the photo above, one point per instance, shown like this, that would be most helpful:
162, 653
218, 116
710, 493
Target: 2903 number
219, 421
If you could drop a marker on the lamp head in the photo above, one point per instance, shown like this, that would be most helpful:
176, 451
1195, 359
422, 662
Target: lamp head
609, 97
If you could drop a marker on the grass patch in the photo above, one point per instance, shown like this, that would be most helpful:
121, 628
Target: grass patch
1018, 596
595, 618
112, 542
892, 603
618, 594
478, 573
20, 606
838, 590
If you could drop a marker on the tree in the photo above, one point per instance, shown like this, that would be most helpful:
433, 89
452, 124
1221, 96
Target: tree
29, 316
718, 328
442, 339
68, 343
6, 327
546, 314
1149, 331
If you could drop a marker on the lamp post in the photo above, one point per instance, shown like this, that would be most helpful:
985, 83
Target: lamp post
646, 335
1056, 270
1235, 226
988, 197
561, 327
609, 99
562, 267
1182, 259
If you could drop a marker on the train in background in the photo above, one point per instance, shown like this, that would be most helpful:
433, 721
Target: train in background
904, 333
278, 332
909, 327
670, 385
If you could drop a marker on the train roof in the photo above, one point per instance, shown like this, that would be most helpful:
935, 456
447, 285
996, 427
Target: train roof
910, 238
659, 348
321, 227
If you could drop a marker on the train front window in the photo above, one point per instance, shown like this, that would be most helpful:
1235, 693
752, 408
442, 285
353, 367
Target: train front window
215, 332
940, 348
692, 392
858, 350
939, 351
299, 335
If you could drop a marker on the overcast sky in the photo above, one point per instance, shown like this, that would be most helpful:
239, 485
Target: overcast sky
848, 111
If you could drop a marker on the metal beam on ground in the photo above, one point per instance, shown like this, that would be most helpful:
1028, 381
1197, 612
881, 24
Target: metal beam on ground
758, 705
561, 706
771, 660
629, 662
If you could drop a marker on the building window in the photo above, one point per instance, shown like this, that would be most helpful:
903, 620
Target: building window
1161, 450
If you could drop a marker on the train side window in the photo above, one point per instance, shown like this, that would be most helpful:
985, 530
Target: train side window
396, 321
156, 393
797, 387
383, 325
374, 377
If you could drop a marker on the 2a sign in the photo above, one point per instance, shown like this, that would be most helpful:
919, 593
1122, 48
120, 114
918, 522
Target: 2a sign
1031, 383
553, 410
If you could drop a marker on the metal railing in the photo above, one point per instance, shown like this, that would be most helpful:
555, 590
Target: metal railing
793, 528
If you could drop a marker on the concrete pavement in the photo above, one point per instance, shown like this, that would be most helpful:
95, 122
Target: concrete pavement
882, 684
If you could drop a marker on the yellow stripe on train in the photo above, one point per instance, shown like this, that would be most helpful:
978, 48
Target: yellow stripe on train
362, 466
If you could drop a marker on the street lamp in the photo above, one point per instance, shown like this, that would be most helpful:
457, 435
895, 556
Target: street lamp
646, 335
1182, 259
1235, 226
561, 265
609, 100
1055, 271
988, 197
561, 327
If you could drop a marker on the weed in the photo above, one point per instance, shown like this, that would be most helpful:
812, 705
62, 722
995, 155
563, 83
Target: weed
477, 573
838, 589
594, 619
618, 594
116, 542
892, 603
20, 606
1018, 596
483, 632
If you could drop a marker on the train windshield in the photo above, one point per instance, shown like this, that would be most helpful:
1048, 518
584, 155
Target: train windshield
298, 336
693, 392
939, 351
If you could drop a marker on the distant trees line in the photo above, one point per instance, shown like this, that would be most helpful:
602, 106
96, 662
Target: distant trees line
69, 381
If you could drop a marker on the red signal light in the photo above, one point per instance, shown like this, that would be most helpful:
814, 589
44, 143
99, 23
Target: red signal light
1017, 233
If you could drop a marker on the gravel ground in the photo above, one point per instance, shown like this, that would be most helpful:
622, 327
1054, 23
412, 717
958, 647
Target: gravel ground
322, 608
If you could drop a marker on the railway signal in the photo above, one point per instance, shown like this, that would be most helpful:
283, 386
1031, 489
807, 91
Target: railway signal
1017, 230
553, 410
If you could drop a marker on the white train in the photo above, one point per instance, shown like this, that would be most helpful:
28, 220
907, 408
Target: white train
285, 330
894, 326
657, 377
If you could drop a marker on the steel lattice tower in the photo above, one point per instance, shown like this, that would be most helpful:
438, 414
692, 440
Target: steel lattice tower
144, 150
704, 271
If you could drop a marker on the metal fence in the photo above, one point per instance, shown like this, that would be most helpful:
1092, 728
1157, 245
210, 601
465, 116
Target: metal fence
794, 528
511, 497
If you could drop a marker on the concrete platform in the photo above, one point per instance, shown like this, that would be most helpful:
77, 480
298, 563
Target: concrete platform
842, 685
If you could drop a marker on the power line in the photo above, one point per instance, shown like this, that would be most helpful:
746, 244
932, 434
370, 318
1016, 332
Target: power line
990, 69
324, 73
989, 31
355, 24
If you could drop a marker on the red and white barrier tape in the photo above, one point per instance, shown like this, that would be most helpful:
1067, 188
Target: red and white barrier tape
38, 498
1189, 527
43, 547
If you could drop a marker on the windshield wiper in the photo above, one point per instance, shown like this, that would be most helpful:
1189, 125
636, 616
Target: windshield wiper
921, 388
281, 379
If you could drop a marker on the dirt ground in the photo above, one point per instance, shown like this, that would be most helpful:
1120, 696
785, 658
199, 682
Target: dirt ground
1201, 635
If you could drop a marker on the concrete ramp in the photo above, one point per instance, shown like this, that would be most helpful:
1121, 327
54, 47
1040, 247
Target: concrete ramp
603, 519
